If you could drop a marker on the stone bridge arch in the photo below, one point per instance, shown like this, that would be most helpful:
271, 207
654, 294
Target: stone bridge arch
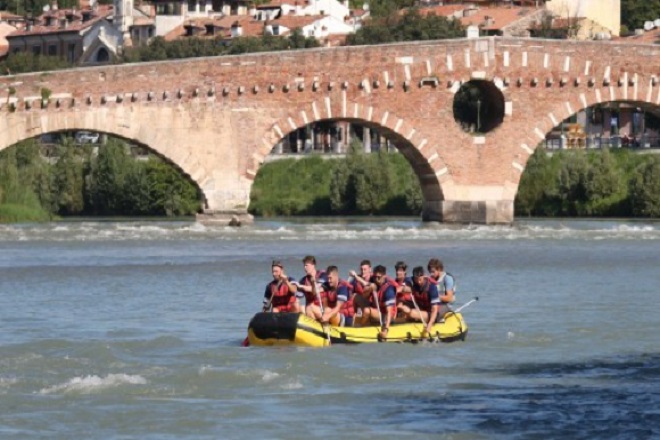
170, 139
411, 141
626, 91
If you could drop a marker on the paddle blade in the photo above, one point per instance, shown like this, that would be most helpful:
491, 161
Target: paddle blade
246, 342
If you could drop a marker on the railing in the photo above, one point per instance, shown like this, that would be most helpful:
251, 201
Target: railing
590, 142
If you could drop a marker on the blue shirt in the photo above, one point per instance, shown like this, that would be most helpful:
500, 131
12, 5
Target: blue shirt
389, 296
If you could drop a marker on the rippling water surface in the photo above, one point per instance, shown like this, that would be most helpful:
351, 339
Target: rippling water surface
116, 330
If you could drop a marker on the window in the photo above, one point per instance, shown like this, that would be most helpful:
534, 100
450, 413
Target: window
71, 53
36, 50
52, 50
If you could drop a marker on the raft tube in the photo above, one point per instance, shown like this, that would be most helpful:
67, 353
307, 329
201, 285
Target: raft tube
268, 329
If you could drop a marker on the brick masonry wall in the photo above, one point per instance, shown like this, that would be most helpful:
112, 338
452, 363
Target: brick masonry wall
217, 118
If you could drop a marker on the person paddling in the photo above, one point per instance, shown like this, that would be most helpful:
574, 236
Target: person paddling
382, 305
425, 300
310, 286
281, 294
446, 285
337, 296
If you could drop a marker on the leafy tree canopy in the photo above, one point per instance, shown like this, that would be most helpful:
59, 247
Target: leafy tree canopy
635, 12
411, 26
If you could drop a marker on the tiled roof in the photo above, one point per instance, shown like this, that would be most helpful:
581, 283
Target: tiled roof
442, 11
297, 21
76, 24
649, 37
6, 16
501, 17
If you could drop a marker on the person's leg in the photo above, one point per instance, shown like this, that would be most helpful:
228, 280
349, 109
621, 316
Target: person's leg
313, 311
335, 320
416, 316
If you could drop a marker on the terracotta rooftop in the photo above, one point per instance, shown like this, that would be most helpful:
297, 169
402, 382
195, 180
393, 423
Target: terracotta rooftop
74, 25
501, 17
648, 37
442, 11
297, 21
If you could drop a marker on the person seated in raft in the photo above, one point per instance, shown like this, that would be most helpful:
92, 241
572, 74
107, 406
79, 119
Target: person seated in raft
382, 304
337, 301
446, 285
363, 285
310, 286
281, 294
426, 298
404, 290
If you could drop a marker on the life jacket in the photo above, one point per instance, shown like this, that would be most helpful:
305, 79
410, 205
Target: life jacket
348, 308
403, 297
280, 295
381, 293
442, 287
422, 297
310, 297
358, 288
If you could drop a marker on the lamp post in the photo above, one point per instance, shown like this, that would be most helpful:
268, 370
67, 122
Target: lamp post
478, 115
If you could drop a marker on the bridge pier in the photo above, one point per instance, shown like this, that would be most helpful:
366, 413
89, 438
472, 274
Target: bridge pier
488, 212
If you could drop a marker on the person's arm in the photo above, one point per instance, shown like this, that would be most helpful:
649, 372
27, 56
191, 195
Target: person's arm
267, 298
390, 307
448, 297
434, 299
290, 283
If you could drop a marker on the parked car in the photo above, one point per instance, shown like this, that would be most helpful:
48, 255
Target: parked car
87, 137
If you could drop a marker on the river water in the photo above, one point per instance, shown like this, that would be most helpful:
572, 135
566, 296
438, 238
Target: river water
118, 330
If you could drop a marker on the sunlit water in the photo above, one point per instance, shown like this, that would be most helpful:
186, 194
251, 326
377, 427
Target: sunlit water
117, 330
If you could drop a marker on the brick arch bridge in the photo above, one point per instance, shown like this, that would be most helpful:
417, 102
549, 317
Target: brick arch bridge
217, 118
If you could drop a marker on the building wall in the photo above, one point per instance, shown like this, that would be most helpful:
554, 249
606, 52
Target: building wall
605, 12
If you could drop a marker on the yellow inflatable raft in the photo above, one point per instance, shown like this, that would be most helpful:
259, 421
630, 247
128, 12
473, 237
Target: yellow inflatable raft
266, 329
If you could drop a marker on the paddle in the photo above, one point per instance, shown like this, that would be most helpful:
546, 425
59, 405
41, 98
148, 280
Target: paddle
475, 299
418, 311
318, 296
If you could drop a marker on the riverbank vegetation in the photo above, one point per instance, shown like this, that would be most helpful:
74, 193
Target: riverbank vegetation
566, 184
600, 183
358, 184
81, 180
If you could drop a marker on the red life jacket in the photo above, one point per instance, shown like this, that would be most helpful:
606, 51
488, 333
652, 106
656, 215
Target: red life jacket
381, 293
347, 309
280, 295
358, 287
310, 298
403, 297
422, 298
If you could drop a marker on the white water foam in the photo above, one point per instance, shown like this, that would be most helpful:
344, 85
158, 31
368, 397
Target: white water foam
93, 383
335, 231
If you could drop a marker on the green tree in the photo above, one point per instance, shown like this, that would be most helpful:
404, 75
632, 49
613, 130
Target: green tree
635, 12
27, 62
68, 181
645, 189
604, 185
411, 26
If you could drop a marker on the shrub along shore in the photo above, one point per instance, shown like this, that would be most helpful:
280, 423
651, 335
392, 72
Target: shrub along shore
79, 181
567, 184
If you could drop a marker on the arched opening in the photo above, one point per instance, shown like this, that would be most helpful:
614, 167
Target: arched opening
598, 162
617, 124
83, 173
102, 55
479, 106
343, 167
